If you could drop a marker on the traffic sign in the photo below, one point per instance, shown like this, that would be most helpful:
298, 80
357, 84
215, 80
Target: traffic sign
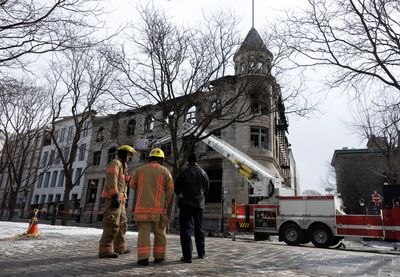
376, 198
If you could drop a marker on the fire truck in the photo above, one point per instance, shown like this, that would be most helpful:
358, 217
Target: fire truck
297, 219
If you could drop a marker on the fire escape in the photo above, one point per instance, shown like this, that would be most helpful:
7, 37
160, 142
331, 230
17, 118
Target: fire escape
283, 144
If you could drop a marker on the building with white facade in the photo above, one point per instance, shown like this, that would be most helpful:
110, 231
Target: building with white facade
50, 186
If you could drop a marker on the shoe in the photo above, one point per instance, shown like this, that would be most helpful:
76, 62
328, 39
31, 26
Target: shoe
188, 261
159, 260
143, 262
108, 255
127, 251
201, 256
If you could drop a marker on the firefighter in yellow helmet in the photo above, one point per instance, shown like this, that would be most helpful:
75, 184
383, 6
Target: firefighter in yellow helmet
155, 191
115, 224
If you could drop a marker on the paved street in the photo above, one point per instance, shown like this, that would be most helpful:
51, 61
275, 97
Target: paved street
66, 255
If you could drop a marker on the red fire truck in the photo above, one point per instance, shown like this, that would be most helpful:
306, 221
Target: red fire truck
319, 219
295, 219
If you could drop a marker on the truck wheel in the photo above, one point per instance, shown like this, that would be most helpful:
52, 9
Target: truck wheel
321, 236
291, 234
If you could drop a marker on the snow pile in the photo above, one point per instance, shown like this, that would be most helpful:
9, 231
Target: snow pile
9, 229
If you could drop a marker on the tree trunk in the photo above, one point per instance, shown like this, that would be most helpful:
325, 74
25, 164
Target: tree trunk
12, 203
65, 212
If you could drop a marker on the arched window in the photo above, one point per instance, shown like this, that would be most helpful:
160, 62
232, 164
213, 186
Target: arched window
130, 129
191, 115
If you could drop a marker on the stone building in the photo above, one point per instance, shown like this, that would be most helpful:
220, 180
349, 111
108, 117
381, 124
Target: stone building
263, 137
361, 172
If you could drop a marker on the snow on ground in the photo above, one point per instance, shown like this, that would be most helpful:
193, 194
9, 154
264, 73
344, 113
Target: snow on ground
9, 229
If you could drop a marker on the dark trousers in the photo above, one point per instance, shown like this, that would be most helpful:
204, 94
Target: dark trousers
187, 216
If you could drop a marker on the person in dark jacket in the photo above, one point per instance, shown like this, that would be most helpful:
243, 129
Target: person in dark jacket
191, 187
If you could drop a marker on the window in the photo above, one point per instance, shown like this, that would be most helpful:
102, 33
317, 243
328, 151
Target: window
52, 156
36, 201
216, 107
149, 124
46, 180
44, 160
56, 133
53, 179
50, 198
96, 157
43, 198
85, 130
62, 135
114, 129
130, 130
40, 181
66, 153
191, 115
58, 198
70, 133
92, 191
111, 154
258, 104
57, 159
78, 176
82, 151
259, 137
74, 197
99, 134
61, 179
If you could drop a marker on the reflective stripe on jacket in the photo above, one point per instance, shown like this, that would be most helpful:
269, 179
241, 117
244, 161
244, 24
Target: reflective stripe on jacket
155, 190
115, 180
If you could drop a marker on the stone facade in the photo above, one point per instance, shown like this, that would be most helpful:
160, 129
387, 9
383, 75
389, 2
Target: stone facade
262, 138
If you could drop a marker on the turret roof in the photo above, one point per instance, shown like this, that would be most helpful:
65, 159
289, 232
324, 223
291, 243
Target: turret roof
253, 42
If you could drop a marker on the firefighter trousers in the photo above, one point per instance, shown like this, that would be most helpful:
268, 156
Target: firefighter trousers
160, 239
115, 225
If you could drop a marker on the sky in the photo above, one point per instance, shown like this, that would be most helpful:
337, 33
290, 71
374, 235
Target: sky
313, 139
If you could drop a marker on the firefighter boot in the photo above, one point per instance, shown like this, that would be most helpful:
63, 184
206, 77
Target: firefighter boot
143, 262
108, 255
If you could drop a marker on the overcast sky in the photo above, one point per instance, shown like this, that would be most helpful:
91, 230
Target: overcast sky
313, 139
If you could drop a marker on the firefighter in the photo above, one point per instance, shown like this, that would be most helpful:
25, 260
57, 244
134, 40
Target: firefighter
115, 222
155, 190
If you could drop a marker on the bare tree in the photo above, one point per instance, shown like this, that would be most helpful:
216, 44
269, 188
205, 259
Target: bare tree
35, 27
23, 114
179, 75
379, 124
328, 182
358, 38
78, 81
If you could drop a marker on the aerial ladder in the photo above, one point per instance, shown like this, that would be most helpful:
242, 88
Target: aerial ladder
262, 182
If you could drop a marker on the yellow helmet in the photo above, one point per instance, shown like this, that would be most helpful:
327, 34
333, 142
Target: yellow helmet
127, 148
157, 152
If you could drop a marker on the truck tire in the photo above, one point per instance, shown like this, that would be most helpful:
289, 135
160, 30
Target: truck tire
321, 236
291, 234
